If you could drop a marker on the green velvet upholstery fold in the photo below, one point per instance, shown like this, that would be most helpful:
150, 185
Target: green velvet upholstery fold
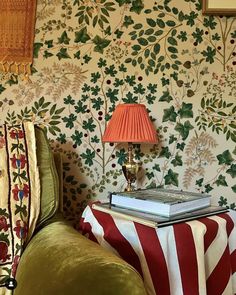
48, 177
59, 168
60, 261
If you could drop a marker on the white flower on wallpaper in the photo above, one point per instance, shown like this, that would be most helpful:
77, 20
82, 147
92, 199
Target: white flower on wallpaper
199, 152
47, 8
52, 81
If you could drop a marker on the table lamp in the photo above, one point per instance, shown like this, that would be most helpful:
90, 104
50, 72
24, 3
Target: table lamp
130, 123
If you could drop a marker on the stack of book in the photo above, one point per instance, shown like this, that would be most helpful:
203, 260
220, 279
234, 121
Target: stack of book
159, 207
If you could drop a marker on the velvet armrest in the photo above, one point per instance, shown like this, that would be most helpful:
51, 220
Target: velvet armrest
60, 261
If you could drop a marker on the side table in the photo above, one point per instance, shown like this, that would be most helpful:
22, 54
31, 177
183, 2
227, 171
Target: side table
190, 258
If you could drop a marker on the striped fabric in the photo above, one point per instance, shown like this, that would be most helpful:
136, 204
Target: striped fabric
192, 258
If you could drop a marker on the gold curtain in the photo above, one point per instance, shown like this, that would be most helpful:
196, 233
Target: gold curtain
17, 23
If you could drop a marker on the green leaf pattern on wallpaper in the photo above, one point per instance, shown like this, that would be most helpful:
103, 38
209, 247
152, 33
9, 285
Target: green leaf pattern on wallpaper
90, 55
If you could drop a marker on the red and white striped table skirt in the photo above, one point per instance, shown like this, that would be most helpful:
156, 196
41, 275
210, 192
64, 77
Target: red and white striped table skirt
191, 258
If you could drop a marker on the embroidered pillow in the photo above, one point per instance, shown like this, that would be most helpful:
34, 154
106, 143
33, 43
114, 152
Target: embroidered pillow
19, 196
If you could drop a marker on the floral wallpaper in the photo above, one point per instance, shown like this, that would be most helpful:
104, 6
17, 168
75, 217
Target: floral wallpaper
90, 55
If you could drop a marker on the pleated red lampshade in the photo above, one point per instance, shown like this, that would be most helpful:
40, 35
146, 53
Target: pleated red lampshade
130, 123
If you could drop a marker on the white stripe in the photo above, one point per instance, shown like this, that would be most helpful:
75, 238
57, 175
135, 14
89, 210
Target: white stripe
128, 230
232, 236
167, 241
231, 287
198, 231
232, 240
228, 289
232, 246
97, 230
233, 278
217, 247
232, 215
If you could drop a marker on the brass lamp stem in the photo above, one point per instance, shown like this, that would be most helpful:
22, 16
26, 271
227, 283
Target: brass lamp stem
130, 169
130, 153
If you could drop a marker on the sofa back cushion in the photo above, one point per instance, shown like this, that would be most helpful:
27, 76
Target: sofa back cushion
48, 177
59, 167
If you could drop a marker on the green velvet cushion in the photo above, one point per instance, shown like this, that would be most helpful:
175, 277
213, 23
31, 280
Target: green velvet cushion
60, 261
48, 177
59, 168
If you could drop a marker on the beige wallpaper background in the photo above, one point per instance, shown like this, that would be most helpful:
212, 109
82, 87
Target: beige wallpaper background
91, 55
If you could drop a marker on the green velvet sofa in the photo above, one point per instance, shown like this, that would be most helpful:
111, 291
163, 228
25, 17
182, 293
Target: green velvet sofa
58, 260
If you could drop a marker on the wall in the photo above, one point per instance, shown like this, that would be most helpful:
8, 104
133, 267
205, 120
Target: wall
91, 55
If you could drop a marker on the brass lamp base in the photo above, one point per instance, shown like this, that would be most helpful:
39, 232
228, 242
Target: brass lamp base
130, 169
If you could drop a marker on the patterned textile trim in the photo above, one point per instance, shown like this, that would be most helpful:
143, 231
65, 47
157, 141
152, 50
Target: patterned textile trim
17, 23
19, 196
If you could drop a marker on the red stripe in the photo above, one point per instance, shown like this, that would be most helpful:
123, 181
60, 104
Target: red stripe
113, 236
86, 229
187, 258
229, 222
155, 258
219, 278
211, 231
233, 261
